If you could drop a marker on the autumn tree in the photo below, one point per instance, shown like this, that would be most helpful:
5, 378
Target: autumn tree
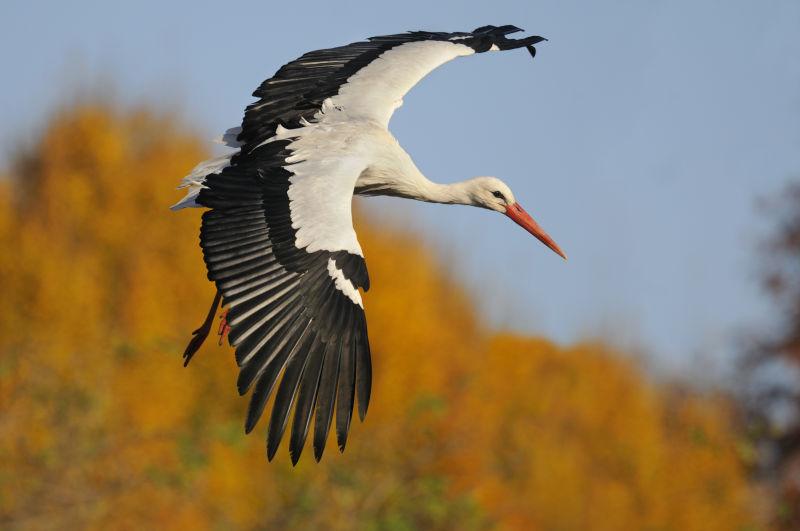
773, 365
103, 428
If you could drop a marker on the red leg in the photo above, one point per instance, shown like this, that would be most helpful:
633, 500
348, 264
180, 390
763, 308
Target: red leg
224, 327
201, 333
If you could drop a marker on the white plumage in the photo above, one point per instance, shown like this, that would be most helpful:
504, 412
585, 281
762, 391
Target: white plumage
378, 89
278, 238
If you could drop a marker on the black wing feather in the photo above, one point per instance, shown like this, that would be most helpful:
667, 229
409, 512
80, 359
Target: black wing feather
326, 397
267, 378
346, 390
287, 317
296, 91
287, 390
363, 368
306, 398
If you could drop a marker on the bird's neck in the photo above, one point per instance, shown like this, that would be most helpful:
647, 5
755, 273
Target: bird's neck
450, 194
412, 184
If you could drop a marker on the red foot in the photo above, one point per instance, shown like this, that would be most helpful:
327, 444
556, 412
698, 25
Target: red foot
224, 327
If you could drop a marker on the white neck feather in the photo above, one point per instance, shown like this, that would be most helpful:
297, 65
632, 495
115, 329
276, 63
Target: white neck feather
457, 193
413, 185
392, 172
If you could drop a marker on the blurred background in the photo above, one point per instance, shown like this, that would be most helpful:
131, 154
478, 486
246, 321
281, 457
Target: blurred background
651, 382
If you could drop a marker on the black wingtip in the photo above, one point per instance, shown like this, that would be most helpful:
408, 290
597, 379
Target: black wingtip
341, 434
274, 435
501, 30
295, 455
341, 437
297, 442
509, 44
272, 448
364, 395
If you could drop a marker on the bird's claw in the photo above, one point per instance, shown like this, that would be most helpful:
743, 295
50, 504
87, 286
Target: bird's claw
200, 335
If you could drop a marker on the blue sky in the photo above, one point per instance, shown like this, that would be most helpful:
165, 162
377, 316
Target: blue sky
640, 137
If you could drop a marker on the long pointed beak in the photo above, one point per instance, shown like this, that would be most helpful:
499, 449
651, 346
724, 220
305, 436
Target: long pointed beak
524, 220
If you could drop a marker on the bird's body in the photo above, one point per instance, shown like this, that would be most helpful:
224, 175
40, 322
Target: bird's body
278, 239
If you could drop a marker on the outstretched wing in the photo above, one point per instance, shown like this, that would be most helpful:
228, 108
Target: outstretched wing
292, 310
362, 79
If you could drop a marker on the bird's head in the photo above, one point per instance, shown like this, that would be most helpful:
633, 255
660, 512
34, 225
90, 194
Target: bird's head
494, 194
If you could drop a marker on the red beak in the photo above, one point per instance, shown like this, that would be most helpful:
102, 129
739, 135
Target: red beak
524, 220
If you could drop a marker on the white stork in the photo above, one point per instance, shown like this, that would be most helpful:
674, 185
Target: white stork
278, 238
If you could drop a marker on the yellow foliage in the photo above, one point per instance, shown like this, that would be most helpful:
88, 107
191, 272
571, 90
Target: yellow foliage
102, 427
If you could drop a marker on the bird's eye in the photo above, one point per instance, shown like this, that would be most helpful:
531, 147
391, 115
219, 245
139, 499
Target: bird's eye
498, 195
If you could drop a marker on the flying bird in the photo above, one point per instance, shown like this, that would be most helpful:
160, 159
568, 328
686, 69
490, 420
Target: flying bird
278, 238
